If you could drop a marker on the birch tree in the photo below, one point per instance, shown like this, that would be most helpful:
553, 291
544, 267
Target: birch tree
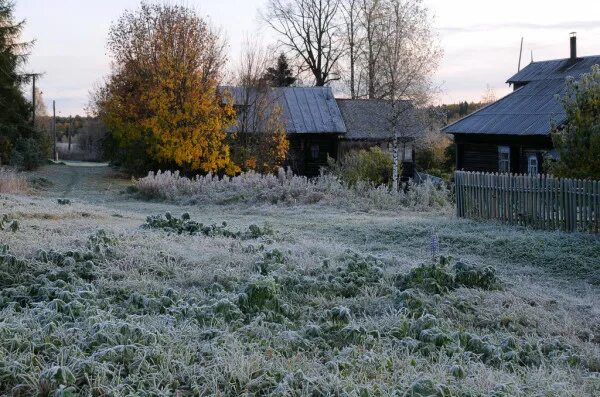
410, 56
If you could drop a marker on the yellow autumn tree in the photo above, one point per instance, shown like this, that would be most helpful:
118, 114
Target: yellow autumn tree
161, 102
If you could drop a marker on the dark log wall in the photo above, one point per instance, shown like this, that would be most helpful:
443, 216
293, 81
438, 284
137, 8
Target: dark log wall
480, 152
300, 156
477, 157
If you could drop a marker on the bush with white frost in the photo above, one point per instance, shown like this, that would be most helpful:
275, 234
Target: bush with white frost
288, 189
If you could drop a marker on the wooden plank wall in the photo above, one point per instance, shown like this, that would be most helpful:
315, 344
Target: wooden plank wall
539, 201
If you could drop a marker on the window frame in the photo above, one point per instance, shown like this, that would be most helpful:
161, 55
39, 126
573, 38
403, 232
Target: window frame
530, 157
408, 153
503, 150
315, 148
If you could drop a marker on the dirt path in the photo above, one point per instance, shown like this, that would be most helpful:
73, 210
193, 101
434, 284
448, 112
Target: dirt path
95, 183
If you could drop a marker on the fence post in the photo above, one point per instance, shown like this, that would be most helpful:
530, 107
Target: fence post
457, 193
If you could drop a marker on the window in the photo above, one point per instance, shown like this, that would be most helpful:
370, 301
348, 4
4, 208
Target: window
503, 158
407, 153
532, 164
314, 152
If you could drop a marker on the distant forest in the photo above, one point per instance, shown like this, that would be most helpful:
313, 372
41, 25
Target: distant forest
456, 111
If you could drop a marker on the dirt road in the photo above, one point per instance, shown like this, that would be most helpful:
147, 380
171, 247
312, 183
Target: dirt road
90, 182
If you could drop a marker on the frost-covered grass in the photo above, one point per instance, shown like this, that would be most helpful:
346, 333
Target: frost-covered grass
286, 188
326, 303
12, 181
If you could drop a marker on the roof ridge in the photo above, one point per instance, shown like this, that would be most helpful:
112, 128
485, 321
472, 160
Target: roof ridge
482, 108
543, 70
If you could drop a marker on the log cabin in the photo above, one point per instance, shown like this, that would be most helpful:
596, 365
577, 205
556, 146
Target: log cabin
513, 134
319, 126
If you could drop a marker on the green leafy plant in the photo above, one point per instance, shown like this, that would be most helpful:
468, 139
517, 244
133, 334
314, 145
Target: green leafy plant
439, 278
372, 166
185, 225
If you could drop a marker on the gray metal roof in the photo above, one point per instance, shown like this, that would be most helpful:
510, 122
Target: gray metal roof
369, 119
555, 69
306, 110
531, 109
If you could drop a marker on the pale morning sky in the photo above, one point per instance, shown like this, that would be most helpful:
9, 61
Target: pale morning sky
480, 39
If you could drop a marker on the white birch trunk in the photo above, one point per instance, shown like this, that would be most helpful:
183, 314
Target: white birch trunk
395, 165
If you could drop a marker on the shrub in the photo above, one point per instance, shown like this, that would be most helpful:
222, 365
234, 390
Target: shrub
435, 155
28, 153
288, 189
438, 278
371, 166
262, 294
473, 277
9, 224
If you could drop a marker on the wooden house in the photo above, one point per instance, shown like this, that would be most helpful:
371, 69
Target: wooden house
513, 133
319, 126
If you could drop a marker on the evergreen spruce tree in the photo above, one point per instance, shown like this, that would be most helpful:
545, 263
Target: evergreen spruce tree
281, 75
19, 143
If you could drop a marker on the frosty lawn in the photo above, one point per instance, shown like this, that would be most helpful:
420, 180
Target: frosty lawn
321, 301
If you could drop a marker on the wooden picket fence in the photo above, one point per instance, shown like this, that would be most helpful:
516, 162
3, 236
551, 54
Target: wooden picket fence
541, 201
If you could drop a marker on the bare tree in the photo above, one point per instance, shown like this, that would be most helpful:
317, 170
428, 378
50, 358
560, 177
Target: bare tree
410, 56
260, 140
248, 77
42, 120
351, 13
488, 96
310, 29
372, 20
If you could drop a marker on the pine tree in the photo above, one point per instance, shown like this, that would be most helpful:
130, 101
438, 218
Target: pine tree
281, 75
19, 143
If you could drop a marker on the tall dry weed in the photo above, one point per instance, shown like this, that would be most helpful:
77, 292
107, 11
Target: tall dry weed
12, 181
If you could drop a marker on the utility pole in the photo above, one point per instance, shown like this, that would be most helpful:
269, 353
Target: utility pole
69, 132
54, 128
33, 98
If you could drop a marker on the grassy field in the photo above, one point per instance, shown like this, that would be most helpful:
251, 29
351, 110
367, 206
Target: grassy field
284, 300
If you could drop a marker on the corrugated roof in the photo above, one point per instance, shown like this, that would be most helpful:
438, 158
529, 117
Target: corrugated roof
306, 110
369, 119
555, 69
531, 109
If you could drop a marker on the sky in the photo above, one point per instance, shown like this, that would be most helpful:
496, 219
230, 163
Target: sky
480, 38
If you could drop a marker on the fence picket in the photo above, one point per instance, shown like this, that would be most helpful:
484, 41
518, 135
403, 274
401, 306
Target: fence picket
539, 201
594, 208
